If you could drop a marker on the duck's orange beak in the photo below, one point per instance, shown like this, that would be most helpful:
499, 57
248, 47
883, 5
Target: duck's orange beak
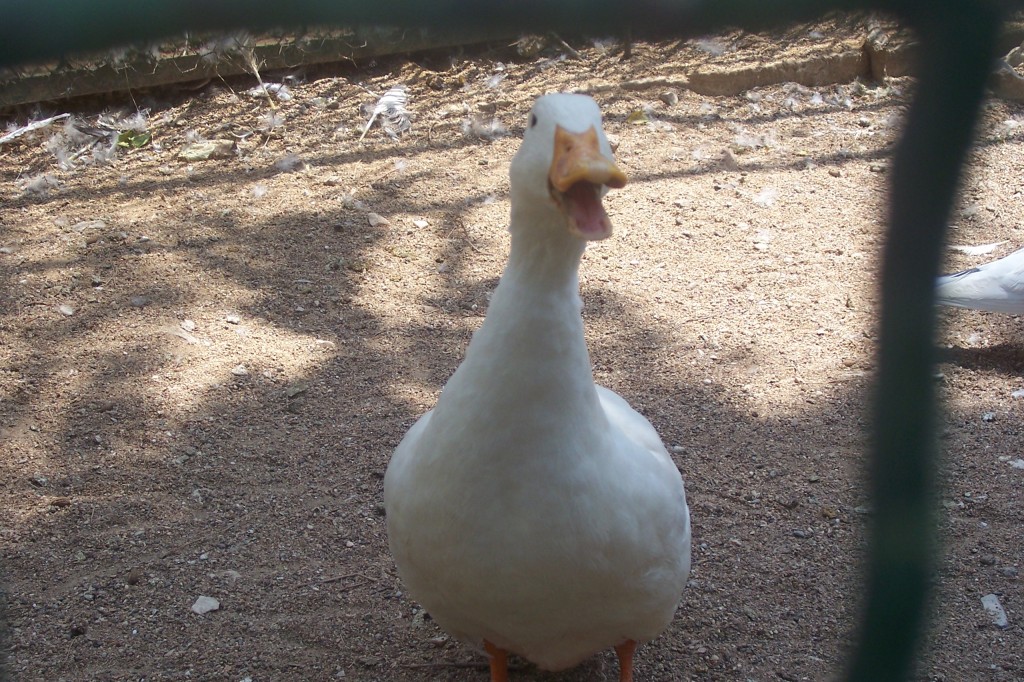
579, 173
578, 158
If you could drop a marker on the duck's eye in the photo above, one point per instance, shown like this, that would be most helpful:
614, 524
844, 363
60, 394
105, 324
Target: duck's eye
533, 120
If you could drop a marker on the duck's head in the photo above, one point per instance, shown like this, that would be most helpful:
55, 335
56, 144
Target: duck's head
565, 166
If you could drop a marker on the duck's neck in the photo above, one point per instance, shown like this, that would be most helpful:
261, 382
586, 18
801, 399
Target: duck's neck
544, 262
529, 358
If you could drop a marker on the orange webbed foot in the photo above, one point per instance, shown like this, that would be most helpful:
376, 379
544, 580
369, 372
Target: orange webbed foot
625, 653
499, 662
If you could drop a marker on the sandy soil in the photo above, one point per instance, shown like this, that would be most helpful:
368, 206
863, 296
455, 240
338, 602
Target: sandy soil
239, 350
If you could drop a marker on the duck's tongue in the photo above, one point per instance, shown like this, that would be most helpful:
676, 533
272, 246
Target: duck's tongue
579, 172
587, 217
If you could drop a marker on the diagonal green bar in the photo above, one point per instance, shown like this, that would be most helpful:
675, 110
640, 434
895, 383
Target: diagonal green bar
956, 57
39, 29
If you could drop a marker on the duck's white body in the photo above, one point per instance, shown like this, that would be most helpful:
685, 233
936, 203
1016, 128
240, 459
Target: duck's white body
530, 508
997, 286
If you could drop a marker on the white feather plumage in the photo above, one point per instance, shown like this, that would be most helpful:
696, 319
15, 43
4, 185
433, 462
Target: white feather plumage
532, 508
997, 286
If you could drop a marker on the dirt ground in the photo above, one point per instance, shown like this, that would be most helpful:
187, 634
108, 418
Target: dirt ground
204, 366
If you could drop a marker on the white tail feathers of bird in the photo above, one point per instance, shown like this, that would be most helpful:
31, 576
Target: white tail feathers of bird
997, 286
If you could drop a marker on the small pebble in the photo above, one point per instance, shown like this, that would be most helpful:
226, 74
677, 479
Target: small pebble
376, 220
420, 223
835, 172
995, 611
89, 225
139, 301
290, 163
988, 417
233, 319
1009, 571
802, 534
297, 390
207, 149
204, 605
239, 370
66, 310
187, 325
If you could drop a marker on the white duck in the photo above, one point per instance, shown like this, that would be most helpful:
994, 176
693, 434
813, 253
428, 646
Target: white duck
532, 511
997, 286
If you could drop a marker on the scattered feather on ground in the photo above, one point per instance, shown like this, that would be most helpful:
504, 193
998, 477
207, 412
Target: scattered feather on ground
395, 118
979, 250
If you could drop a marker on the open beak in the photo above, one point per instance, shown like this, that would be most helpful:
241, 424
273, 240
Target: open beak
578, 175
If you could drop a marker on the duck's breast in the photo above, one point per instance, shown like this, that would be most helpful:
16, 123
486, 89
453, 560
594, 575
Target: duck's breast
550, 547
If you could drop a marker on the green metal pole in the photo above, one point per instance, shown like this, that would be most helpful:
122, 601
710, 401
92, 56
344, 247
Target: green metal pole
957, 42
31, 30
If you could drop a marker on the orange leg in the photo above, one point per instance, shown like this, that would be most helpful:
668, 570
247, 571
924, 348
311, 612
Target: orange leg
499, 662
625, 653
